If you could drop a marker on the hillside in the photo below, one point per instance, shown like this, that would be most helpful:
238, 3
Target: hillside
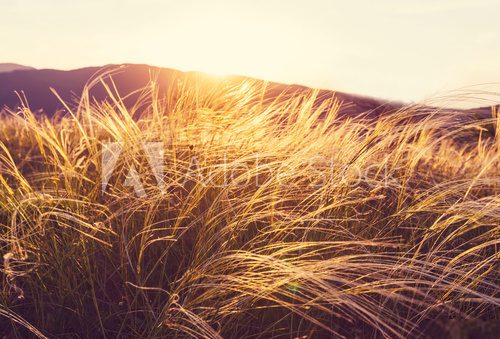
35, 86
69, 85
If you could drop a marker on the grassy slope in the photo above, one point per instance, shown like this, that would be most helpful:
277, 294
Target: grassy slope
307, 225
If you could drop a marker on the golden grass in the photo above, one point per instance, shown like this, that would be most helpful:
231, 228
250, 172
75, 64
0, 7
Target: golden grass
275, 219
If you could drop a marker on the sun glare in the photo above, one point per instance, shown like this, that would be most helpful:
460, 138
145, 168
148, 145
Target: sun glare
230, 46
376, 49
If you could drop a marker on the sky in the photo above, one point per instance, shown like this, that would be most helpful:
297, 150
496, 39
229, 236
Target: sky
393, 49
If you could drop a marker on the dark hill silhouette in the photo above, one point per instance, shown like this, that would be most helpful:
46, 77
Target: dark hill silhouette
35, 86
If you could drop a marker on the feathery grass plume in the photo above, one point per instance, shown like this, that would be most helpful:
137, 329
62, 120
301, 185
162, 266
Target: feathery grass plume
270, 218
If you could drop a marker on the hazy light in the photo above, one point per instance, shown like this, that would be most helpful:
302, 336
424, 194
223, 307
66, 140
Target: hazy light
392, 49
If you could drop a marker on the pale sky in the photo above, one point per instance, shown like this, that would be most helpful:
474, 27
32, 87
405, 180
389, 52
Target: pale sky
393, 49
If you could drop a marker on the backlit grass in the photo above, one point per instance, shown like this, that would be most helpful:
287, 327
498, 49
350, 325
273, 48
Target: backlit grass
273, 218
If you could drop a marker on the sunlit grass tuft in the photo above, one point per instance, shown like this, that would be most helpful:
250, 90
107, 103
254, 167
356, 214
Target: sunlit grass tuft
273, 218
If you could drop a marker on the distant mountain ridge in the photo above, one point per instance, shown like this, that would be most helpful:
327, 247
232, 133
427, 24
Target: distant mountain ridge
11, 67
35, 86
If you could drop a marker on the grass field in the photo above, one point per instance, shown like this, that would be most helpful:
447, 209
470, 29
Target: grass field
269, 219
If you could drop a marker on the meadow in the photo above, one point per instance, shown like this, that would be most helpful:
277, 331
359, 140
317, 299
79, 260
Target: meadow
271, 218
